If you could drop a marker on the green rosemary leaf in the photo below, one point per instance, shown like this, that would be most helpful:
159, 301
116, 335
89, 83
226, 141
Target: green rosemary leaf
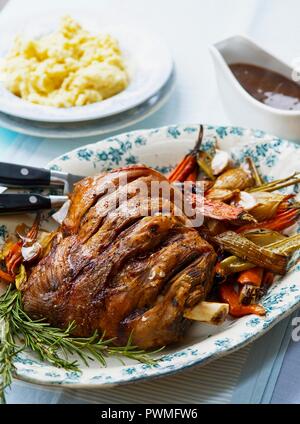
54, 345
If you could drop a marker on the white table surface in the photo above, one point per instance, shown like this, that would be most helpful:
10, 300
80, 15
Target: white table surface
188, 26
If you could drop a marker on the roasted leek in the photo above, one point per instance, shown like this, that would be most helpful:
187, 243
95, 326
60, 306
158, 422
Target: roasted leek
250, 252
263, 237
283, 245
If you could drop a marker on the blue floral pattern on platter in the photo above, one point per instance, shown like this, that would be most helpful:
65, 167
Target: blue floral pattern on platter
162, 148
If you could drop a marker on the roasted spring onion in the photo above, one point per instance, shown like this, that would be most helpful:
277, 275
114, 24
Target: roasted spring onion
278, 184
254, 172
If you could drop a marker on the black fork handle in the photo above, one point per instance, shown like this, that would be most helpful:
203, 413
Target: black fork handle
14, 203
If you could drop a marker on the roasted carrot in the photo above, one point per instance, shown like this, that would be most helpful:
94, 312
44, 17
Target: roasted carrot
252, 276
189, 163
278, 223
14, 257
6, 277
236, 309
183, 170
193, 176
286, 204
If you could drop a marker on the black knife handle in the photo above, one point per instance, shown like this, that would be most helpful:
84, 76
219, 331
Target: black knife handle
22, 175
13, 203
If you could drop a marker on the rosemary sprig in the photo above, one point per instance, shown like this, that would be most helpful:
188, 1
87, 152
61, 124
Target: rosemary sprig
18, 332
8, 349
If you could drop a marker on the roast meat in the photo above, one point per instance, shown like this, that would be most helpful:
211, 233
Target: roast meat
114, 269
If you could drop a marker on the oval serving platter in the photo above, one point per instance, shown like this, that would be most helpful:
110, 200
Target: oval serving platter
162, 148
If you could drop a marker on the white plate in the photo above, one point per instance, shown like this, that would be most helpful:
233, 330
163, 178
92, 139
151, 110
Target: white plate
149, 63
162, 148
92, 127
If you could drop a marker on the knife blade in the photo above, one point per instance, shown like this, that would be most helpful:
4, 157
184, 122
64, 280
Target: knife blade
13, 175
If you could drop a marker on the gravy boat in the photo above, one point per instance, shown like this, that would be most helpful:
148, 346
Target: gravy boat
241, 107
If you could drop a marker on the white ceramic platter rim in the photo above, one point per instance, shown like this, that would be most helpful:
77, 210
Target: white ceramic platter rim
148, 58
164, 146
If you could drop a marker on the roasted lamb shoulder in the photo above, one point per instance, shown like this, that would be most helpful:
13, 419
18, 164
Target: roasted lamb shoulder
118, 271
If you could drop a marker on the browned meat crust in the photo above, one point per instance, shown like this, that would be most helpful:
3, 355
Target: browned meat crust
116, 270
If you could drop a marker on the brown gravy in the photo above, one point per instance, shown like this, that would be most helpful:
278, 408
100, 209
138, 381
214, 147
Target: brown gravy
267, 86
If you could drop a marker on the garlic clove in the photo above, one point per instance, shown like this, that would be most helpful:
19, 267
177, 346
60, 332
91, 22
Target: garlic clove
246, 201
31, 252
61, 214
219, 162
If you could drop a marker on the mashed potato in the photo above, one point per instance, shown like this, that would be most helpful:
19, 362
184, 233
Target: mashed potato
67, 68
